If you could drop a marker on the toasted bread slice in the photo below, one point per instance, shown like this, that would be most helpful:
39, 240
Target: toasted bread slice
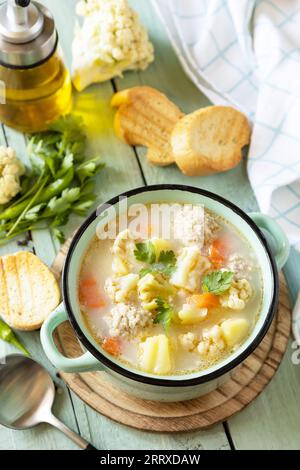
210, 140
124, 96
28, 291
162, 157
146, 117
146, 94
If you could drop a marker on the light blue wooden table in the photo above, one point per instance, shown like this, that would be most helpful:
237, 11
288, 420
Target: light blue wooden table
273, 420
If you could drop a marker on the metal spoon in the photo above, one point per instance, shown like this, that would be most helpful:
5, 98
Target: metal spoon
26, 397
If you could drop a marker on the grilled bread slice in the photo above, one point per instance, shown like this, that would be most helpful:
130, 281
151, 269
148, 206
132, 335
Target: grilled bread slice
28, 291
210, 140
146, 117
161, 157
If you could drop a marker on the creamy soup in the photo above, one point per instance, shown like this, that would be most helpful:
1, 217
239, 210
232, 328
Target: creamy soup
170, 306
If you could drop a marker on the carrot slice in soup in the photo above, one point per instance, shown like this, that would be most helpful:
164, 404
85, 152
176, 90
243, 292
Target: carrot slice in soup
218, 252
112, 346
206, 300
89, 293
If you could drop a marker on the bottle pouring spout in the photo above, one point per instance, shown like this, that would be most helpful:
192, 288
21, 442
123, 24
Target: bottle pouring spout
21, 21
17, 12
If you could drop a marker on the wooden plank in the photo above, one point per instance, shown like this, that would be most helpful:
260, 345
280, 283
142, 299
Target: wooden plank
272, 421
108, 435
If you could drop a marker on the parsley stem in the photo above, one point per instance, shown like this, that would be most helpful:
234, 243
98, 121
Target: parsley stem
29, 205
31, 191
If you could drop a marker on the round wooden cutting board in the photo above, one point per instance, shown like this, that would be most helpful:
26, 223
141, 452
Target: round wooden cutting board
246, 383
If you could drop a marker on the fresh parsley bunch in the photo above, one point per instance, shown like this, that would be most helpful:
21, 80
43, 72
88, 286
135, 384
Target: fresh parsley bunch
60, 182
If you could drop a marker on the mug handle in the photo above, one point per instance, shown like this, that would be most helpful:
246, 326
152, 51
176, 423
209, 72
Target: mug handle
282, 246
84, 363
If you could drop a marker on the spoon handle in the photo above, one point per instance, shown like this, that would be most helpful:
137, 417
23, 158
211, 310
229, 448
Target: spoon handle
82, 443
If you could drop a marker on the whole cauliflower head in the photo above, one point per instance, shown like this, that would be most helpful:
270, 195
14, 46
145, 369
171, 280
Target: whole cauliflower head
10, 171
237, 296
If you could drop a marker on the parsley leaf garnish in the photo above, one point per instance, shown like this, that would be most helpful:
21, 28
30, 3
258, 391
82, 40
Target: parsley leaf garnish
145, 252
167, 257
165, 265
164, 314
145, 271
217, 282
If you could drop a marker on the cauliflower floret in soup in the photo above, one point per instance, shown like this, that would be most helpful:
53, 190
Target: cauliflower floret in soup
237, 296
123, 288
188, 341
190, 267
150, 288
122, 250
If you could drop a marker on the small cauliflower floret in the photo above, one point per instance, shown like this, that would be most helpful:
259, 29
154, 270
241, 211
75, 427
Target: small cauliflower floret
212, 343
214, 336
190, 314
161, 245
237, 296
189, 269
128, 320
234, 330
211, 227
151, 287
188, 341
209, 350
10, 171
155, 355
189, 224
203, 348
123, 288
110, 40
123, 253
239, 266
119, 266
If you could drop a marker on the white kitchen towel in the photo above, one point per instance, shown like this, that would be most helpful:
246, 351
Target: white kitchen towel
247, 53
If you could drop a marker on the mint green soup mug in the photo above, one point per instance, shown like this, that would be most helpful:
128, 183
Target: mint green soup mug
254, 227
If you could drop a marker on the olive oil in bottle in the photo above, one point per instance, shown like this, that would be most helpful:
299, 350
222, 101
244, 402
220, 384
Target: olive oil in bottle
35, 85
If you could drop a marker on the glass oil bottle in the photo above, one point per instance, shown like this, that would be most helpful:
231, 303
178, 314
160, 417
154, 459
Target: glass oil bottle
35, 85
